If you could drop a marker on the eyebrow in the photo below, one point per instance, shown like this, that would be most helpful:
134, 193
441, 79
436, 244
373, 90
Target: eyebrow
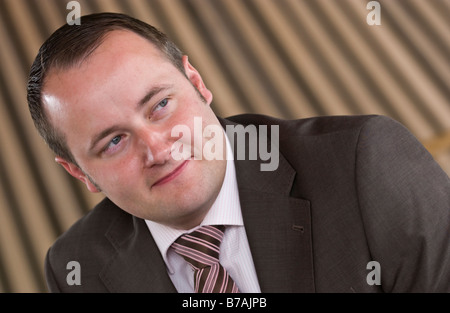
101, 135
151, 93
148, 96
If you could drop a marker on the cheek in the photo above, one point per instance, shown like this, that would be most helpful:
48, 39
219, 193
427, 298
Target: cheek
117, 176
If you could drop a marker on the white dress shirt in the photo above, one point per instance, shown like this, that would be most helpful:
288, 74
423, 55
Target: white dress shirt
235, 255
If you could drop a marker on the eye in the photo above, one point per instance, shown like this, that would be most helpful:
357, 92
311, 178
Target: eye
113, 143
116, 140
161, 104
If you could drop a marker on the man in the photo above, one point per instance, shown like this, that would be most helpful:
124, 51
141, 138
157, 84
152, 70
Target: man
355, 204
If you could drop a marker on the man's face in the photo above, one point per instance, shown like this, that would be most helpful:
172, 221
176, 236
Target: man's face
117, 111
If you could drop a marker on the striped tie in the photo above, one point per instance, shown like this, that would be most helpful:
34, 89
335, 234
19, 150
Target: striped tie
201, 250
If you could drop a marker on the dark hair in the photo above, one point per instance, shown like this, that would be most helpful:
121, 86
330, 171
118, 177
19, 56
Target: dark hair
69, 46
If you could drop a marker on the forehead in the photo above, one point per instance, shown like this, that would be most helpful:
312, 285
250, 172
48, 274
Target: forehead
121, 52
118, 46
122, 40
117, 49
115, 72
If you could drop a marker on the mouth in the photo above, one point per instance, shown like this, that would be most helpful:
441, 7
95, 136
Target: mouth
172, 175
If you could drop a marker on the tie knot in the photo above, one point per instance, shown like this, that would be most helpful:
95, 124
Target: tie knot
200, 248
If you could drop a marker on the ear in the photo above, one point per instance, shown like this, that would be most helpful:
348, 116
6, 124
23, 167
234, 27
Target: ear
194, 76
76, 172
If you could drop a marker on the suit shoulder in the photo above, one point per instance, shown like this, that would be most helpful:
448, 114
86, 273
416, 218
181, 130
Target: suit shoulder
311, 126
84, 242
95, 221
86, 233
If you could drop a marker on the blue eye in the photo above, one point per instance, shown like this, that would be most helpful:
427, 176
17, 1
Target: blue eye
113, 143
162, 104
116, 140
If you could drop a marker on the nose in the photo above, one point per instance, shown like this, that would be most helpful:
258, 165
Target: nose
155, 146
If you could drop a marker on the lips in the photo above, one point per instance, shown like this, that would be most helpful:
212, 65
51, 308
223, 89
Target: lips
172, 175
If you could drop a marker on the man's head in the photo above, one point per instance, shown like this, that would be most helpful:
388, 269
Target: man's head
69, 46
105, 95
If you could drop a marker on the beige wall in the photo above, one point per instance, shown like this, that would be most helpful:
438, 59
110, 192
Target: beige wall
287, 58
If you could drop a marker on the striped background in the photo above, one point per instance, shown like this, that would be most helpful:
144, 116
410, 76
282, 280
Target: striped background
287, 58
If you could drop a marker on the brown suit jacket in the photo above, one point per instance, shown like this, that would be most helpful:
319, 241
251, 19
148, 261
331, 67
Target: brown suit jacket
347, 191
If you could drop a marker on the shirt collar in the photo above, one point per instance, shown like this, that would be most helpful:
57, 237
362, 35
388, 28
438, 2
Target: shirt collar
226, 210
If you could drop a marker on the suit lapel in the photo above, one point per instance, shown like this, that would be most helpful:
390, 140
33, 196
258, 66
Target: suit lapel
279, 235
137, 265
278, 226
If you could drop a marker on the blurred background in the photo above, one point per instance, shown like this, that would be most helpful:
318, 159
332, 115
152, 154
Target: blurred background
286, 58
